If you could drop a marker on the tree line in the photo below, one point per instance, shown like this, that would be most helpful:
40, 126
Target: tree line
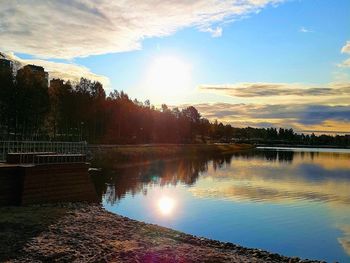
30, 109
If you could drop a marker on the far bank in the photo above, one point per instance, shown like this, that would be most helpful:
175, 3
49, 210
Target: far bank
146, 152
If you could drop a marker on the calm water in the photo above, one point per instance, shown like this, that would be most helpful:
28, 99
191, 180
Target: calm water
292, 201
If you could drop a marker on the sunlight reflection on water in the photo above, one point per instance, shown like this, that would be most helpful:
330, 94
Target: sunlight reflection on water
289, 202
166, 205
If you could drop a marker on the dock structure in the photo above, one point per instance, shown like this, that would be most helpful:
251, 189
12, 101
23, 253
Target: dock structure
41, 146
42, 172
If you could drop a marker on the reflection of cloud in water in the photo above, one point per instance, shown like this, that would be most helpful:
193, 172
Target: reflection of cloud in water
258, 189
258, 180
345, 240
321, 178
326, 160
305, 168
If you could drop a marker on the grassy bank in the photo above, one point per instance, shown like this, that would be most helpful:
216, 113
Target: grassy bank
88, 233
135, 153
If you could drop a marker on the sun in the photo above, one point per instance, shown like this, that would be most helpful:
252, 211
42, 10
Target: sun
166, 205
168, 77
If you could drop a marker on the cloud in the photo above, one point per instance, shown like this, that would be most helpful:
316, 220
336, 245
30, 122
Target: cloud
345, 63
305, 108
305, 30
315, 114
346, 48
304, 113
301, 117
345, 239
66, 71
78, 28
248, 90
216, 32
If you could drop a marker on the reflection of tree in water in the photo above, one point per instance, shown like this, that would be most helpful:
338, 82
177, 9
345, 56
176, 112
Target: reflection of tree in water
285, 156
268, 155
114, 182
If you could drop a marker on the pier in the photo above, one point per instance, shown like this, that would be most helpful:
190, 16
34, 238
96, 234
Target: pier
44, 172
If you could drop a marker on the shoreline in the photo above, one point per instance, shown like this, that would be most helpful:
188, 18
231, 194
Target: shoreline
303, 146
146, 152
88, 233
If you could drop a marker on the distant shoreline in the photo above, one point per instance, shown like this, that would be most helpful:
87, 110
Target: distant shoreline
146, 152
143, 153
303, 146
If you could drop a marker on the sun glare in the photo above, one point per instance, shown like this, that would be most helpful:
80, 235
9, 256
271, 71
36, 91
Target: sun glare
166, 205
168, 77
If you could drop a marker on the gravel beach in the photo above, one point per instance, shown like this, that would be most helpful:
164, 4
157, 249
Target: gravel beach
88, 233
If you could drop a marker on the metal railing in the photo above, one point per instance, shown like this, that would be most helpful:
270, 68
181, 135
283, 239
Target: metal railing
41, 146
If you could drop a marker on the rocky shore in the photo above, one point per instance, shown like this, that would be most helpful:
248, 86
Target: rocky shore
88, 233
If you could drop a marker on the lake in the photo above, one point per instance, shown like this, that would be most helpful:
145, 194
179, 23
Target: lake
291, 201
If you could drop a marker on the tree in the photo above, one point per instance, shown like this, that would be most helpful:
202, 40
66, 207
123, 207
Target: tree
32, 101
192, 114
7, 100
71, 111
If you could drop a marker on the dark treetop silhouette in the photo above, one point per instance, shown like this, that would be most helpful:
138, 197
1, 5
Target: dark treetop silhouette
30, 109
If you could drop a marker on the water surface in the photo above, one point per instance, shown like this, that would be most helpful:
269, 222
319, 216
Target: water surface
290, 201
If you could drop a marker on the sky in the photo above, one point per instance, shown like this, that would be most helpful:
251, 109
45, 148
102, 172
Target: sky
256, 63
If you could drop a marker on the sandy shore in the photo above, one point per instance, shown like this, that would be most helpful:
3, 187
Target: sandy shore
88, 233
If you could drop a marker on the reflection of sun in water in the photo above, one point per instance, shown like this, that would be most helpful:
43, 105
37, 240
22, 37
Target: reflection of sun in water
166, 205
169, 77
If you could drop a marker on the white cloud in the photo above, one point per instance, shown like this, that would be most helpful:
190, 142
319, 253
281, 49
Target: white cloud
77, 28
66, 71
299, 116
262, 89
305, 30
345, 63
215, 32
264, 93
346, 48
